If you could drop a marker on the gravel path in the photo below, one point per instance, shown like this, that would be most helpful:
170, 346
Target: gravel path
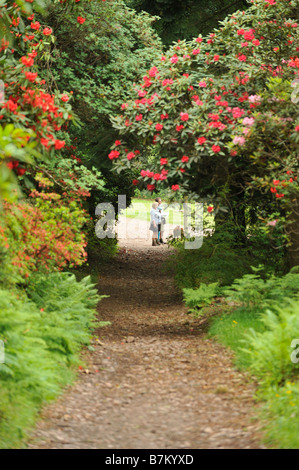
154, 381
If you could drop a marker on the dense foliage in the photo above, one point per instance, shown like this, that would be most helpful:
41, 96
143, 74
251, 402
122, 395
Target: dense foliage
184, 19
259, 320
213, 118
95, 63
216, 119
42, 333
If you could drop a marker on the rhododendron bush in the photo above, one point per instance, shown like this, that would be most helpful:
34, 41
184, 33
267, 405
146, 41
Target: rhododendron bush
94, 63
42, 231
44, 236
220, 115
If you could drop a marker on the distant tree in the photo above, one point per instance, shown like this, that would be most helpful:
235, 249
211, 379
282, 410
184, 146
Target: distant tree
183, 19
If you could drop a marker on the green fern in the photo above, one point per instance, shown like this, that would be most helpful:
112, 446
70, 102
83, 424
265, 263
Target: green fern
196, 299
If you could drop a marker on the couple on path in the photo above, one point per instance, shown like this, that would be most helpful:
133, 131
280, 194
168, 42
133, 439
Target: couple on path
157, 222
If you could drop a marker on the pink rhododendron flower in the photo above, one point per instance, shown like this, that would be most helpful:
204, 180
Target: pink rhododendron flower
254, 98
153, 72
272, 223
239, 140
248, 121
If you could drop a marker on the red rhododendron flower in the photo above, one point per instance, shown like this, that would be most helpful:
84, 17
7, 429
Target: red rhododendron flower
163, 161
175, 187
130, 155
153, 72
11, 105
47, 31
201, 140
59, 144
185, 159
139, 117
151, 187
81, 20
135, 182
113, 154
31, 76
184, 116
35, 25
65, 97
117, 142
159, 127
44, 142
210, 209
27, 61
216, 148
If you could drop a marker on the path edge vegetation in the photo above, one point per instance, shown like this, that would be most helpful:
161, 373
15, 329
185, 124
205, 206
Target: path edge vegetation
50, 183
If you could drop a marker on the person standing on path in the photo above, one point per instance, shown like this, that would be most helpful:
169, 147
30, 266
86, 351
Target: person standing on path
155, 223
163, 221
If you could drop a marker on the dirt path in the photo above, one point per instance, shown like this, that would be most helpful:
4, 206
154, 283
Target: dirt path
154, 380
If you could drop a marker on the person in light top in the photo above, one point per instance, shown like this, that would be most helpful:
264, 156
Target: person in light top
163, 221
155, 223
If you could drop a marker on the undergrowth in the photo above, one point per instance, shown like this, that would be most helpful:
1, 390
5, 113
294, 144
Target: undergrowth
42, 332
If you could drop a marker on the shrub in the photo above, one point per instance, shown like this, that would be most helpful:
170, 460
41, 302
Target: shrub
196, 299
220, 259
270, 351
42, 337
252, 290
